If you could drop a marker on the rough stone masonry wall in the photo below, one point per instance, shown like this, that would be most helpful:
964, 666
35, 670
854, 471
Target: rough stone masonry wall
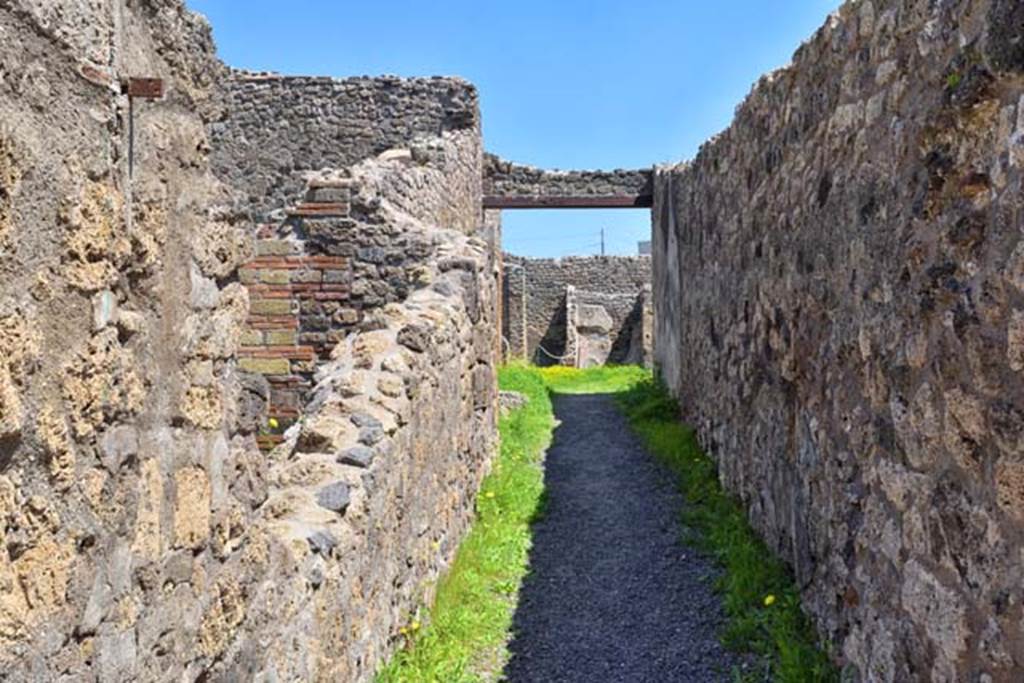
506, 179
839, 282
334, 259
276, 130
614, 282
128, 472
372, 487
144, 535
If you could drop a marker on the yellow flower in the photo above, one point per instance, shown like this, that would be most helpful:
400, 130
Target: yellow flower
273, 423
489, 494
769, 600
415, 626
403, 630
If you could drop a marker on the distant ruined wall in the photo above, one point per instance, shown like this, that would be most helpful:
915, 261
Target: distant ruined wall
614, 282
608, 327
839, 283
144, 534
275, 130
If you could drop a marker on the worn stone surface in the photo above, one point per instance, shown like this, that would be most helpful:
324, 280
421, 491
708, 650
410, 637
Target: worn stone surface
93, 300
331, 267
506, 179
277, 129
145, 535
374, 483
837, 283
615, 284
839, 296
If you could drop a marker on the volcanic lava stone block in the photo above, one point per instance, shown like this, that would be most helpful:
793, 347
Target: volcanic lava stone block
334, 497
357, 456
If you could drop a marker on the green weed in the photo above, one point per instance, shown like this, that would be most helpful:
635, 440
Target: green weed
465, 635
601, 380
467, 632
761, 600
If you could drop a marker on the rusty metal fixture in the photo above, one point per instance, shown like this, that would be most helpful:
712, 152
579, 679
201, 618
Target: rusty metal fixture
145, 88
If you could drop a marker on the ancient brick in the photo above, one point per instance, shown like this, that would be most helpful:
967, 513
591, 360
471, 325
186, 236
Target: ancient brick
270, 307
260, 292
275, 248
337, 276
306, 276
293, 352
266, 366
281, 337
277, 277
273, 322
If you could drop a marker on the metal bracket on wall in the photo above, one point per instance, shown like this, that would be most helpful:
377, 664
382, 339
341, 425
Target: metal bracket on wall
144, 88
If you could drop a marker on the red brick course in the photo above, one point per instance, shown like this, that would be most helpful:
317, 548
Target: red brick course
307, 279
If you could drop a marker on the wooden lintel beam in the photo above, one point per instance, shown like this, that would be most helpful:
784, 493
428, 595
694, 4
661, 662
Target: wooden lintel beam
639, 201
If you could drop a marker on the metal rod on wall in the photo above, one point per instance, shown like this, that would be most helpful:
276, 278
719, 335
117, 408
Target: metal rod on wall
145, 88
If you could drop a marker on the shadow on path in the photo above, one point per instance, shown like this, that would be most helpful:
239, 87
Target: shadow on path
612, 593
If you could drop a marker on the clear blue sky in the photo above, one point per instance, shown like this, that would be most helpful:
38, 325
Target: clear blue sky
563, 83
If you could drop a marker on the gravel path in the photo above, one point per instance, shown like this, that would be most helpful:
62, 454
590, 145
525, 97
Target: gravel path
612, 595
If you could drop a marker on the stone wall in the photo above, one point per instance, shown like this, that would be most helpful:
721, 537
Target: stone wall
275, 131
506, 179
608, 327
839, 283
614, 283
128, 470
373, 486
335, 259
144, 534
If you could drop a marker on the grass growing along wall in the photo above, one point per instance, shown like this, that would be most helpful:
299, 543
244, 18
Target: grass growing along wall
761, 600
466, 634
608, 379
468, 629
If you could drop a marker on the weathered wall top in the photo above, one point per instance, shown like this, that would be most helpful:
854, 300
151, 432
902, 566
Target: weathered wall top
278, 129
506, 179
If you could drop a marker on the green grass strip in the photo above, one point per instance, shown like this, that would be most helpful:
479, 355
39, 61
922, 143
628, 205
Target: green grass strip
608, 379
761, 601
465, 636
467, 632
